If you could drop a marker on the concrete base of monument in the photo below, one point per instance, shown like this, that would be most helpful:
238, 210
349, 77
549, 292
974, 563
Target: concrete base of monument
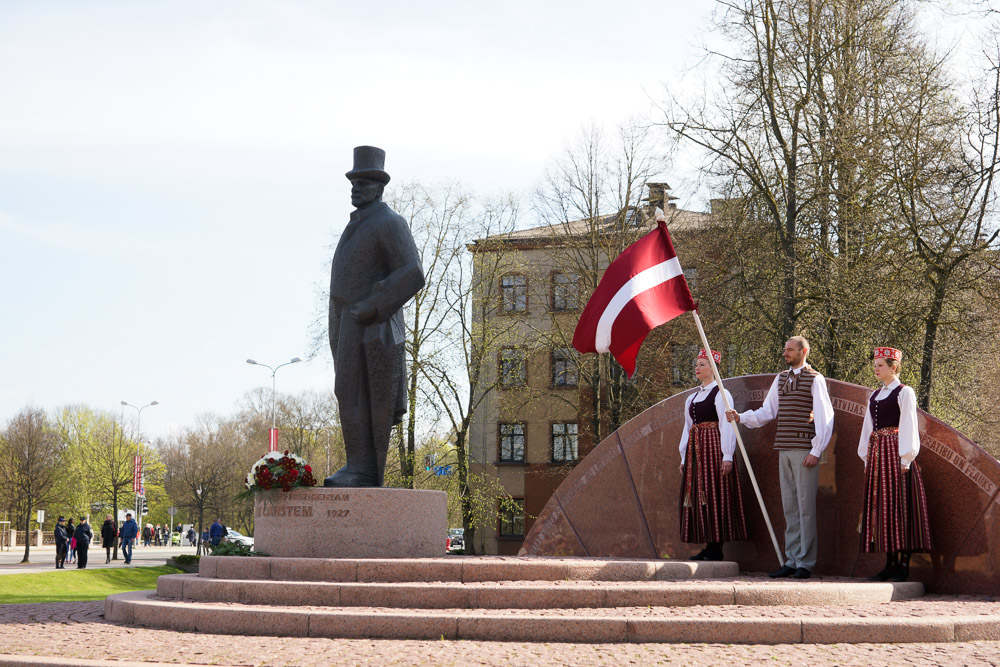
351, 523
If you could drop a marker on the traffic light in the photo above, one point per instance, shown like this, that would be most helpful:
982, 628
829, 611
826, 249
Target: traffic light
145, 507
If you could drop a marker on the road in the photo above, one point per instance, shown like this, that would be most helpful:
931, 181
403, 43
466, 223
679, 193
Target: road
44, 558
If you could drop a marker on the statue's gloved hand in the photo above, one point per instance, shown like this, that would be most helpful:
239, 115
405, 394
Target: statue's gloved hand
363, 311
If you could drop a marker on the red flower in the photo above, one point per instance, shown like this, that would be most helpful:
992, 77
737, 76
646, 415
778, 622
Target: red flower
308, 469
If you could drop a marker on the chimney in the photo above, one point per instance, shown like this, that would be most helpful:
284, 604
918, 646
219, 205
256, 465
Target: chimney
657, 196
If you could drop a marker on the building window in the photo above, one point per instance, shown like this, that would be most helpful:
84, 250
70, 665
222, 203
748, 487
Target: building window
565, 291
682, 358
564, 439
564, 371
512, 519
514, 294
511, 367
511, 443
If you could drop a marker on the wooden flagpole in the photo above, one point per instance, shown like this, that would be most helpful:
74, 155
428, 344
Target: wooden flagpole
739, 439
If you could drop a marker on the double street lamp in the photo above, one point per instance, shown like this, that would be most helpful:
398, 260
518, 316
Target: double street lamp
274, 371
138, 484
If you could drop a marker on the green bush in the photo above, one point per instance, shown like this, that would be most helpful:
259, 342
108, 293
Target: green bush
186, 559
234, 549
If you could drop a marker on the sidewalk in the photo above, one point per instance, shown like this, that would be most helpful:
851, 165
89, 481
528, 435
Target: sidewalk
77, 631
43, 559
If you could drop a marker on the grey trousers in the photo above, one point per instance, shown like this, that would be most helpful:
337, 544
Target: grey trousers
798, 500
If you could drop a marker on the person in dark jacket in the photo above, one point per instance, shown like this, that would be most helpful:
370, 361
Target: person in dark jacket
192, 536
70, 542
83, 535
62, 543
128, 533
109, 532
217, 532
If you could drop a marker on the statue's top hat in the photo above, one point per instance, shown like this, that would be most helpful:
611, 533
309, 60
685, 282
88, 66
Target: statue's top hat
369, 162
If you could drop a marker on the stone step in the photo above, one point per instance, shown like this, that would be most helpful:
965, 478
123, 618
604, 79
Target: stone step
461, 568
560, 594
896, 622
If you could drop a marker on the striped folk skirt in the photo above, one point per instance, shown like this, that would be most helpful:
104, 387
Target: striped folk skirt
711, 505
894, 516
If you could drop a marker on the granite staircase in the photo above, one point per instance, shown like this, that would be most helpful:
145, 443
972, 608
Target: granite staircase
540, 599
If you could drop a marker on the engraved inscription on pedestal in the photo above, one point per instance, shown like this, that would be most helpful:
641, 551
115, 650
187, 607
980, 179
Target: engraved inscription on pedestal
355, 523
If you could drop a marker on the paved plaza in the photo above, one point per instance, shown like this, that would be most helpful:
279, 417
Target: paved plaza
43, 559
75, 633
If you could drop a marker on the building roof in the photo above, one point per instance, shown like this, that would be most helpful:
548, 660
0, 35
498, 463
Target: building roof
677, 220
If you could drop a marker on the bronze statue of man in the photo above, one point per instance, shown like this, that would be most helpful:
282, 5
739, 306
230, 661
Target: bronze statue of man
376, 269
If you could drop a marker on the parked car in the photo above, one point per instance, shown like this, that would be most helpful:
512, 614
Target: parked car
455, 541
238, 538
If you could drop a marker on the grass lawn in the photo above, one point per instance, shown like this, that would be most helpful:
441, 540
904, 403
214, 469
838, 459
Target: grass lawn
74, 585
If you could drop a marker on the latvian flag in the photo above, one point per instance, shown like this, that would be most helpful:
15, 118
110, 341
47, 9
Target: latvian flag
643, 288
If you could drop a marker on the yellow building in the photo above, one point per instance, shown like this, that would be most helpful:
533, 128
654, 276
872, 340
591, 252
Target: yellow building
543, 404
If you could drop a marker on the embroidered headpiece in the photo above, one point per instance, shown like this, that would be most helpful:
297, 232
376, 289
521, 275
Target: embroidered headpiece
715, 355
887, 353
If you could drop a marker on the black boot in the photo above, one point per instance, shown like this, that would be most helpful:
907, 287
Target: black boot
902, 571
891, 564
714, 551
701, 555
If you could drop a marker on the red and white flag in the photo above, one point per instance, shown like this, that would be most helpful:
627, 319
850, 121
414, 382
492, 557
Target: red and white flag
643, 288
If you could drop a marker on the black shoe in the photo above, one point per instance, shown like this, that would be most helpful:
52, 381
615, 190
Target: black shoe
899, 574
882, 575
714, 552
701, 555
802, 573
785, 571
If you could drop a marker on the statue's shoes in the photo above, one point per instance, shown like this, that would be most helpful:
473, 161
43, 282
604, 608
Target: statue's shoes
344, 478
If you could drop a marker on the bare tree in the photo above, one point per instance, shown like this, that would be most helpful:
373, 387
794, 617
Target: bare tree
30, 453
466, 372
946, 160
201, 471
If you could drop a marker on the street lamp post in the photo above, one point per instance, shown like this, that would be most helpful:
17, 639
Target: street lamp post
141, 491
274, 371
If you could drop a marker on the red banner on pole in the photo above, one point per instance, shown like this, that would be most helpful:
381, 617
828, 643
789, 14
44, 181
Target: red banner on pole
274, 440
136, 473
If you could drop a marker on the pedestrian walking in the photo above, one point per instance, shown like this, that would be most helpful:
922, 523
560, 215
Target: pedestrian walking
109, 533
894, 514
147, 534
83, 535
62, 543
192, 536
128, 533
216, 532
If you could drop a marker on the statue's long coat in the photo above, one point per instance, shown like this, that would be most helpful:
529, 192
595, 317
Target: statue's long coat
376, 260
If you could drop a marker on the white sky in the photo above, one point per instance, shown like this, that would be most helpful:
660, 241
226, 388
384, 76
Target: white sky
171, 173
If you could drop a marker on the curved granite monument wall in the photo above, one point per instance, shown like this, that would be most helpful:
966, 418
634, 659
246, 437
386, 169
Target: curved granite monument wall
622, 499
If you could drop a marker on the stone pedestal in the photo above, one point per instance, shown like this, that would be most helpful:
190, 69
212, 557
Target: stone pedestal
352, 523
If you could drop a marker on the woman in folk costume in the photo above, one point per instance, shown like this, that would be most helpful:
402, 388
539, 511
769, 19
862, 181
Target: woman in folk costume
894, 516
711, 501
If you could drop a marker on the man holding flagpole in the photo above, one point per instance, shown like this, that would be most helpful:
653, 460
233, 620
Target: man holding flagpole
799, 400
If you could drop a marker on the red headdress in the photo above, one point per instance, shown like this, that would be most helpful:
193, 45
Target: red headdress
715, 355
887, 353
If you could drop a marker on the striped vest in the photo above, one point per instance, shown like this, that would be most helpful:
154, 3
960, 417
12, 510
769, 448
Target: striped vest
795, 404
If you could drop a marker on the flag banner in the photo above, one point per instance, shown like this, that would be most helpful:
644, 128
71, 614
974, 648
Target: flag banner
274, 440
136, 472
643, 288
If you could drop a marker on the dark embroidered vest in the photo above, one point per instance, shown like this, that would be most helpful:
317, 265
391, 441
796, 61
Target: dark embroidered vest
885, 413
795, 402
705, 411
